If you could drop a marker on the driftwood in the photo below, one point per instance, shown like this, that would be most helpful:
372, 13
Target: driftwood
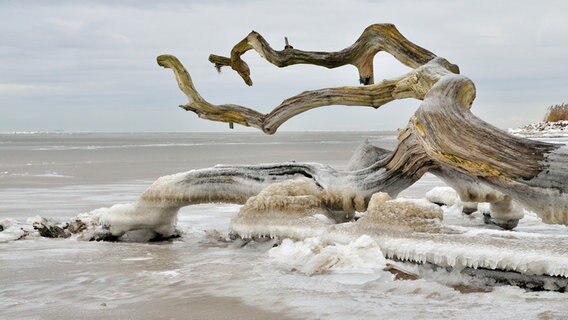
482, 162
375, 38
299, 200
412, 85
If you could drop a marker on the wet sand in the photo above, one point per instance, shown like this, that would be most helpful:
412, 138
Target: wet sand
204, 307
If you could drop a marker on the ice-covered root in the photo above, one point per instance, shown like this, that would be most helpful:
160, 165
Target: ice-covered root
446, 196
49, 229
502, 211
469, 207
504, 214
470, 191
125, 222
38, 227
416, 215
137, 219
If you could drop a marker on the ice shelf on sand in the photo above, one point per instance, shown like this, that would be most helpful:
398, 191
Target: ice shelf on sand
413, 230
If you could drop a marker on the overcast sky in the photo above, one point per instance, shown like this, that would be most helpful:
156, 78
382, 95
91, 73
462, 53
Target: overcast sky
90, 65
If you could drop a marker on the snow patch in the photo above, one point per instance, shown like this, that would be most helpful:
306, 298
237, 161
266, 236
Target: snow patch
442, 195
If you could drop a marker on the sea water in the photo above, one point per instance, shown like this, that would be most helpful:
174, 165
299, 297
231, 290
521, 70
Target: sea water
59, 175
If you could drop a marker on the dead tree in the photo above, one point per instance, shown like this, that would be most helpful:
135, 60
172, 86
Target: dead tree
484, 163
297, 200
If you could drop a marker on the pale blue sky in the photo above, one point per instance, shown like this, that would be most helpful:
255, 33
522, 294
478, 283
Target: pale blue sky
90, 65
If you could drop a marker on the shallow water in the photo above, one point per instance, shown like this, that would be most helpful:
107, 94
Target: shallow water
196, 277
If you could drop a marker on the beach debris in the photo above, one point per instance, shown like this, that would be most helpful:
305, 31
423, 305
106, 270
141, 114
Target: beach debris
48, 228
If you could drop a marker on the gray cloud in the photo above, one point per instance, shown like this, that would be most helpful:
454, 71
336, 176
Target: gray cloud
90, 65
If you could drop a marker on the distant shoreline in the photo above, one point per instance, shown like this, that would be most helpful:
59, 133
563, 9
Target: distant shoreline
183, 132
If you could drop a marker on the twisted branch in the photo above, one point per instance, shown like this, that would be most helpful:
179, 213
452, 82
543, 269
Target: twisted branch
414, 84
377, 37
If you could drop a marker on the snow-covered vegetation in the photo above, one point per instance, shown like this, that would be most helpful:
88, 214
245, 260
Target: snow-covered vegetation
555, 124
557, 112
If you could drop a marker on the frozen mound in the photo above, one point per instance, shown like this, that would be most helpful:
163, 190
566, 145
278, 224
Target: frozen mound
410, 214
294, 208
311, 256
300, 197
442, 196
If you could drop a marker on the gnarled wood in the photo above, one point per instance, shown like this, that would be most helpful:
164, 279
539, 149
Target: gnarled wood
442, 135
533, 173
415, 84
375, 38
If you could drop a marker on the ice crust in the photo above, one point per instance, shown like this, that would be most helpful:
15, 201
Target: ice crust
312, 256
553, 178
403, 229
12, 230
412, 230
122, 218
